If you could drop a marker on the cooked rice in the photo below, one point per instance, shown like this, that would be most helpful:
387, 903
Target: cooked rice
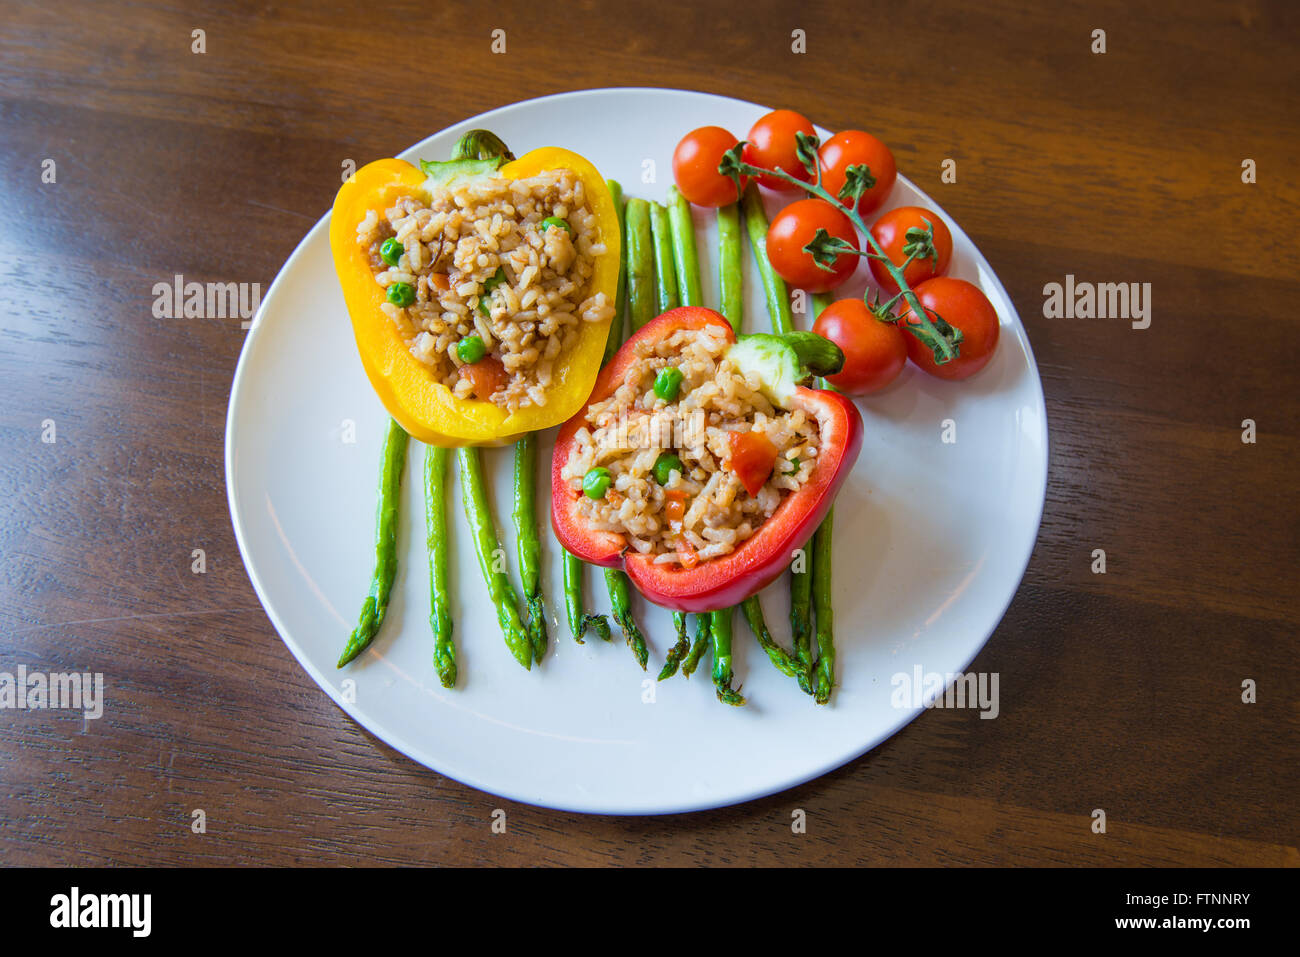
470, 230
626, 434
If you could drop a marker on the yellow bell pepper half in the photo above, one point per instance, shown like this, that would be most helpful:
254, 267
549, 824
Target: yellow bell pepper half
424, 407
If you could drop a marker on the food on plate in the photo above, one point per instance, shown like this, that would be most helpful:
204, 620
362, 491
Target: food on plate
750, 459
481, 291
904, 236
484, 292
875, 350
856, 148
375, 605
771, 143
964, 306
794, 228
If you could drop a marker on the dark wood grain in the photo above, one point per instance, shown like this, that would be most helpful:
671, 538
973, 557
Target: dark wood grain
1123, 690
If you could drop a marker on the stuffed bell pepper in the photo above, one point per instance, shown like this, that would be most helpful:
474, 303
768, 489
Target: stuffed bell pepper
480, 289
699, 463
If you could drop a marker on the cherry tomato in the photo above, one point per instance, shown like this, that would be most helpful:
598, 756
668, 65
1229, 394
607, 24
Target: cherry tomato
874, 351
890, 231
793, 228
695, 167
752, 457
965, 306
771, 144
851, 148
486, 376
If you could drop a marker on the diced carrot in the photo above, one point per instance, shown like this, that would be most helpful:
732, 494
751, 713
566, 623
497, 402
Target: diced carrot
752, 457
675, 508
440, 280
686, 553
486, 376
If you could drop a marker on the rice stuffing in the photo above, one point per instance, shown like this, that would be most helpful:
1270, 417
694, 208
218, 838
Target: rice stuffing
509, 261
629, 431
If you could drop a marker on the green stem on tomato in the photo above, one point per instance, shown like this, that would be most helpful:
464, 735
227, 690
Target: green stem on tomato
945, 346
375, 606
491, 556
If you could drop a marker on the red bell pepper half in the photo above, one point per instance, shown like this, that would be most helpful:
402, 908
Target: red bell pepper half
728, 579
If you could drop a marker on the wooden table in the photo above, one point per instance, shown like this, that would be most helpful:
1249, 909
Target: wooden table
1121, 691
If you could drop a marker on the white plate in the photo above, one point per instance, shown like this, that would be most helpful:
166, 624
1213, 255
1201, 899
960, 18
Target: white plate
931, 539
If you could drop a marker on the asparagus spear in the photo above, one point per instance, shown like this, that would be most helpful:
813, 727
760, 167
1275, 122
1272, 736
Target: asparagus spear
682, 272
616, 327
620, 600
528, 542
578, 620
678, 651
685, 258
801, 583
487, 547
638, 255
665, 275
774, 287
639, 247
785, 663
731, 290
375, 606
821, 592
703, 624
731, 293
720, 629
435, 530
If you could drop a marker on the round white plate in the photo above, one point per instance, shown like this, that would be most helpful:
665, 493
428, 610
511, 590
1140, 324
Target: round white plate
931, 538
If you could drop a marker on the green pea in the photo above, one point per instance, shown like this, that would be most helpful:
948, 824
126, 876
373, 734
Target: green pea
558, 223
471, 349
667, 383
401, 294
391, 251
665, 466
597, 482
496, 279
